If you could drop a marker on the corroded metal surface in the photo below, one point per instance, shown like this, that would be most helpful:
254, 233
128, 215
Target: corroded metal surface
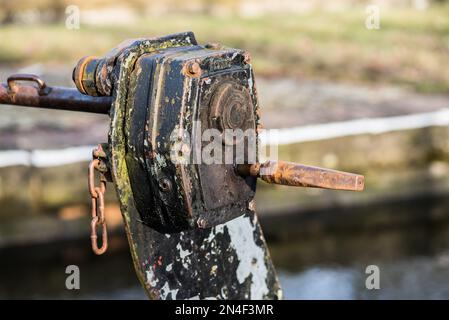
50, 97
230, 261
173, 84
299, 175
227, 261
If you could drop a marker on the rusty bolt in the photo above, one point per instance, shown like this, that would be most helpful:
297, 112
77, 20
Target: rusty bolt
192, 69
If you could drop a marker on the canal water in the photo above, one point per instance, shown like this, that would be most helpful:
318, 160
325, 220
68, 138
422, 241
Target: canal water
318, 255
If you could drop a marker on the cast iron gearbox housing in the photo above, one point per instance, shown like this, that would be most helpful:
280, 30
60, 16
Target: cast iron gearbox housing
181, 89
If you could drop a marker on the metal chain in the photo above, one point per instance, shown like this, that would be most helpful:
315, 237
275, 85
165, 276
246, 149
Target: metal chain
97, 208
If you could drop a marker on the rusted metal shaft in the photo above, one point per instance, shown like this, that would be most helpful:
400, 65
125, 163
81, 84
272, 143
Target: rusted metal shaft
299, 175
42, 96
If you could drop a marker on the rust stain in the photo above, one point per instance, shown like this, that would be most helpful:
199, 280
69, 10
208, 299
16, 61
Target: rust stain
299, 175
192, 69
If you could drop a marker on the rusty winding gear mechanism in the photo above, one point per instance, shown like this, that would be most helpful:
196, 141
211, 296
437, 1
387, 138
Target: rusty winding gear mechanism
162, 93
165, 93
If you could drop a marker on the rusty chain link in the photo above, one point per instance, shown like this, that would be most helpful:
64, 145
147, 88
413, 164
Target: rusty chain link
97, 208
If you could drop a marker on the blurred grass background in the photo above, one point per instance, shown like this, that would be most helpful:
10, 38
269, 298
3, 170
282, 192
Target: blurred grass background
403, 213
308, 39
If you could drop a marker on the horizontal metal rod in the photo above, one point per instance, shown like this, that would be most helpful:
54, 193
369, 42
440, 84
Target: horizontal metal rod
53, 98
299, 175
